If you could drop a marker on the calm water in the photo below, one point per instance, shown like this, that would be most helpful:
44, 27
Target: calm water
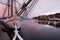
34, 31
30, 30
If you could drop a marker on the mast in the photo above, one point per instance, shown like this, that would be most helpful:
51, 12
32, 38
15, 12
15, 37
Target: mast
11, 7
8, 6
23, 8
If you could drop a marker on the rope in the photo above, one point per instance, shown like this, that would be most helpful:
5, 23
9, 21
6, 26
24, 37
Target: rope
16, 27
5, 4
16, 33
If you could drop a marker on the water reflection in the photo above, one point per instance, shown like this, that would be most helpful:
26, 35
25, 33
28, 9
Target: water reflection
31, 30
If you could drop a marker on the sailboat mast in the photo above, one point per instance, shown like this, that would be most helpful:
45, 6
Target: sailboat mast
11, 7
8, 7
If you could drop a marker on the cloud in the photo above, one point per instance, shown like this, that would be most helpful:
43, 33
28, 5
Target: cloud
42, 7
46, 7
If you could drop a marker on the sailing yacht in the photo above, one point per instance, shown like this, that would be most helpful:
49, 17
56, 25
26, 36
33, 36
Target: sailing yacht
15, 24
14, 13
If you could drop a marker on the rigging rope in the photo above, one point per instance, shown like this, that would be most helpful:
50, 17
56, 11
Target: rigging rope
16, 33
16, 27
4, 3
23, 8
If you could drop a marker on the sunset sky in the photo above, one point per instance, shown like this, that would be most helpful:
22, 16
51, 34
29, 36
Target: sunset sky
43, 7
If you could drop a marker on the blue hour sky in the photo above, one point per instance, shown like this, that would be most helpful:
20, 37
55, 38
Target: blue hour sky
43, 7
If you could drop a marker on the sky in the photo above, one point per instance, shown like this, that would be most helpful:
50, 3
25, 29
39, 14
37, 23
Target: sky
43, 7
46, 7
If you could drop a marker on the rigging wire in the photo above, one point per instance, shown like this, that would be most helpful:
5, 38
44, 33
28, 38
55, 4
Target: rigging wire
17, 2
33, 4
16, 27
23, 8
4, 3
4, 12
11, 7
8, 3
15, 6
8, 7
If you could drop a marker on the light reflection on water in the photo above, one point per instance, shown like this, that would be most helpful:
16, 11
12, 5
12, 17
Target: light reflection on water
45, 25
35, 31
49, 26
